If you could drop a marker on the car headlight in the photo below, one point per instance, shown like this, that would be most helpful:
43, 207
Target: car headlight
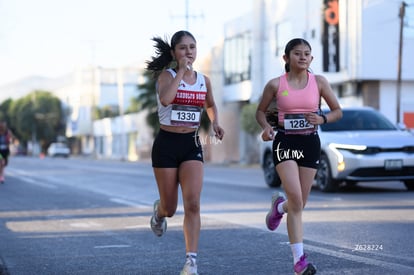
335, 147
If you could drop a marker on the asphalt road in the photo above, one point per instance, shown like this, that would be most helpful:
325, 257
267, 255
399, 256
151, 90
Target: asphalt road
76, 216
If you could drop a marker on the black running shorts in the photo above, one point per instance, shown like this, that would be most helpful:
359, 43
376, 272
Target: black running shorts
5, 155
171, 149
304, 149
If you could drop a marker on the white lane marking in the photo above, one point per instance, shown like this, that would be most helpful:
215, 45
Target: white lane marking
24, 176
112, 246
85, 224
38, 183
130, 203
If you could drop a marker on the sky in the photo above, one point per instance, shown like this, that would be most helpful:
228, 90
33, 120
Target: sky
52, 37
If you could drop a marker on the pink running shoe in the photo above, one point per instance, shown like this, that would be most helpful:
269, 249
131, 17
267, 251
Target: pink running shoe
303, 267
273, 217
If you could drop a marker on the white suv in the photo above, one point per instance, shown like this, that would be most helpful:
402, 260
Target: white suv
363, 146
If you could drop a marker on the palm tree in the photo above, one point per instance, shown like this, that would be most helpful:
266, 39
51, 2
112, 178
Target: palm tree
148, 101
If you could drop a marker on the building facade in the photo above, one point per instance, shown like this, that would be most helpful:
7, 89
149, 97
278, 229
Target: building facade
126, 137
91, 88
355, 44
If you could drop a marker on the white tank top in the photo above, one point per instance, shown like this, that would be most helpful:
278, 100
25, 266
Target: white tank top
187, 106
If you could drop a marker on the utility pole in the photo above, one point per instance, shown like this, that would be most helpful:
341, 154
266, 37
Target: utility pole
122, 134
187, 16
402, 15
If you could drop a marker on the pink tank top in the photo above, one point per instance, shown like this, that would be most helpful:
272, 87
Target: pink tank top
291, 101
292, 104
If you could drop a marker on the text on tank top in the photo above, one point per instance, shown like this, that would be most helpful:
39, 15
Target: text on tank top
187, 106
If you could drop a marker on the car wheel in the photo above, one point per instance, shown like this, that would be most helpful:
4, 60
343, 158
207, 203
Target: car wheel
324, 179
409, 184
271, 177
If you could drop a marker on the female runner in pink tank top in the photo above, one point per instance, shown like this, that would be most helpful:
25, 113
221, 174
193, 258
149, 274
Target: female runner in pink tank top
296, 144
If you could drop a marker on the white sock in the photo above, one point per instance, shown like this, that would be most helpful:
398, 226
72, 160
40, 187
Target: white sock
280, 207
297, 251
191, 255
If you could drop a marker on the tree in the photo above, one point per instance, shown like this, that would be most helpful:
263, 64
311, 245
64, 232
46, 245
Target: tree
248, 119
106, 111
5, 113
251, 128
134, 106
148, 100
4, 110
38, 115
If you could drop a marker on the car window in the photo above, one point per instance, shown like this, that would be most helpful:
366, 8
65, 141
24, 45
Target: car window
360, 120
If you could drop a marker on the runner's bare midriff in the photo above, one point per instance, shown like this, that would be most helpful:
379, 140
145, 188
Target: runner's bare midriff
178, 129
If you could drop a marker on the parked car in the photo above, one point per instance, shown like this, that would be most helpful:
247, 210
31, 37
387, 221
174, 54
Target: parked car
363, 146
58, 149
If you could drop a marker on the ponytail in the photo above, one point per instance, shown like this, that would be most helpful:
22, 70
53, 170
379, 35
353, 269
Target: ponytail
162, 56
287, 67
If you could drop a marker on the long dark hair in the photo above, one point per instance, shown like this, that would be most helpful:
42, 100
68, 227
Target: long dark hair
163, 55
289, 47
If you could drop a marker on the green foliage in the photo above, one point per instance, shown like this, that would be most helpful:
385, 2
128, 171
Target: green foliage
248, 119
105, 111
148, 100
39, 115
4, 110
134, 106
5, 115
